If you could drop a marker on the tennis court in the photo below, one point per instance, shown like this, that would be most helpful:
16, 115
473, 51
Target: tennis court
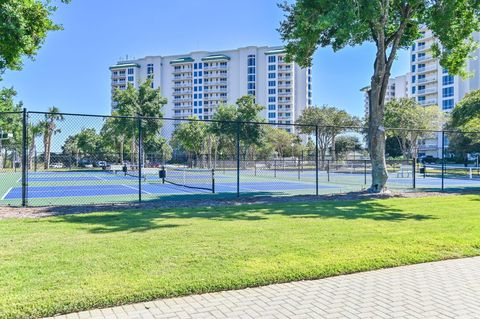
103, 186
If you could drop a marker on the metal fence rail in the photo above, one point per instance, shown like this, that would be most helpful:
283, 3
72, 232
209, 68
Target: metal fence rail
76, 159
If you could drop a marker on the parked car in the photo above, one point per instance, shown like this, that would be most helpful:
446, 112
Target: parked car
428, 159
102, 164
56, 165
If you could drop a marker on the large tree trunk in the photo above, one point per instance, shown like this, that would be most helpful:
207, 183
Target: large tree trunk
376, 132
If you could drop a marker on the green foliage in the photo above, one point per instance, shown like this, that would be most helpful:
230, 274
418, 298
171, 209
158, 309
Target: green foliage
24, 25
389, 24
191, 136
344, 144
407, 114
466, 114
244, 110
280, 141
330, 122
145, 101
392, 148
49, 125
10, 123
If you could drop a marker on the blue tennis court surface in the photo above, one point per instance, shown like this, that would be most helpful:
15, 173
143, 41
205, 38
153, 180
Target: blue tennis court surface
148, 189
100, 183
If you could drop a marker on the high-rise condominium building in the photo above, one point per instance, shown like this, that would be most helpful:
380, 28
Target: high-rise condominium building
198, 82
430, 84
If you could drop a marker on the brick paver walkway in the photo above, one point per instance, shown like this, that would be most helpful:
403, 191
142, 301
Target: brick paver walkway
447, 289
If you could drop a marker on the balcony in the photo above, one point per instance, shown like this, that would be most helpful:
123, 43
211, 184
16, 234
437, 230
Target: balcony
427, 79
210, 83
214, 75
284, 69
182, 99
214, 67
215, 98
428, 102
284, 93
425, 58
284, 78
427, 91
181, 71
427, 69
180, 78
182, 106
185, 92
212, 90
286, 86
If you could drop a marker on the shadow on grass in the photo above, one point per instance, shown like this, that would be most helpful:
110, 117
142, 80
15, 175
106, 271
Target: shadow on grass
142, 219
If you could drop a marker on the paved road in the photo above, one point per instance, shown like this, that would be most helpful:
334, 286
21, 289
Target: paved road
447, 289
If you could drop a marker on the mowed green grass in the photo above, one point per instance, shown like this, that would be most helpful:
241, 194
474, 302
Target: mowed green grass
75, 262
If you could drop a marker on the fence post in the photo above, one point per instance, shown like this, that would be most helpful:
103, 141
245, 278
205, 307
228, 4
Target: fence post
328, 170
238, 159
24, 157
316, 160
443, 160
139, 123
414, 172
364, 171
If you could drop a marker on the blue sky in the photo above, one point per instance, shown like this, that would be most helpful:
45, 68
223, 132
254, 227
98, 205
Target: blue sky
71, 70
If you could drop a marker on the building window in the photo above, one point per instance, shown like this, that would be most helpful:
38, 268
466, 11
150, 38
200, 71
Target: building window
447, 79
272, 67
271, 99
271, 107
413, 57
271, 115
447, 104
130, 79
130, 71
251, 86
272, 91
271, 83
421, 98
251, 78
251, 70
447, 92
413, 89
413, 68
149, 68
251, 60
272, 59
271, 75
413, 78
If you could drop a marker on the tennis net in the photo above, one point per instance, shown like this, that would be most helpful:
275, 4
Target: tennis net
202, 179
460, 172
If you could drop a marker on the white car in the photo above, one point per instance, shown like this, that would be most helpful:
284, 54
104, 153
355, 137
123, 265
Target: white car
56, 165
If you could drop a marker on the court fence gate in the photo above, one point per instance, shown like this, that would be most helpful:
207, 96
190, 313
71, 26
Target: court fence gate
75, 159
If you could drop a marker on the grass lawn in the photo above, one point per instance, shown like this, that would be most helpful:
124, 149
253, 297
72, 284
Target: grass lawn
75, 262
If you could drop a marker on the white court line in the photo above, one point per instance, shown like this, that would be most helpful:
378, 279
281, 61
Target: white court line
19, 179
136, 189
94, 176
5, 195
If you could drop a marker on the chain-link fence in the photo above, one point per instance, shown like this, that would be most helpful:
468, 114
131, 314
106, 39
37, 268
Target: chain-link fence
73, 159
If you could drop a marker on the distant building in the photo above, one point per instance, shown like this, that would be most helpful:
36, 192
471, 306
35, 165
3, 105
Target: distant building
197, 83
397, 88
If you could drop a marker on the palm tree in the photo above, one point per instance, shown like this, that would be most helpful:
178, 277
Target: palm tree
50, 129
34, 132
